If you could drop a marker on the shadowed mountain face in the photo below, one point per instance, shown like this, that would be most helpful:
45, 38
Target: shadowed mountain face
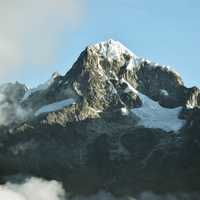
115, 122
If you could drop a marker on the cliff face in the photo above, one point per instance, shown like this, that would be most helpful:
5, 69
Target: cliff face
122, 123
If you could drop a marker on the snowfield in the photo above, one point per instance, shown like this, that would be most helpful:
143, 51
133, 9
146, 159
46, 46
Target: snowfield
153, 115
59, 105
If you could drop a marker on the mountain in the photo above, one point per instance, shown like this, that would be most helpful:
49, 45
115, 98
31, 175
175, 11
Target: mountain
113, 122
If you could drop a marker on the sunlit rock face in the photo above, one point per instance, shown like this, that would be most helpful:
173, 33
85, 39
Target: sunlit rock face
113, 122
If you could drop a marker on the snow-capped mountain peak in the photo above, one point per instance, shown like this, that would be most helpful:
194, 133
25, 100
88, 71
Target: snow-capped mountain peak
112, 119
94, 83
113, 49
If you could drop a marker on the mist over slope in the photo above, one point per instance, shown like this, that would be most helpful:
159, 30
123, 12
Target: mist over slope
32, 189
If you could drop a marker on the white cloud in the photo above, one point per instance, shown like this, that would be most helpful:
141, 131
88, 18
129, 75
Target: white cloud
33, 189
30, 31
40, 189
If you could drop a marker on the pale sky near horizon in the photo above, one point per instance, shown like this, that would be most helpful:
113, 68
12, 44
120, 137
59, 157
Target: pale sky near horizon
167, 32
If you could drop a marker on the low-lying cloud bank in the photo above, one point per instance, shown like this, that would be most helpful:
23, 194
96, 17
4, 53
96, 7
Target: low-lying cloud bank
32, 189
39, 189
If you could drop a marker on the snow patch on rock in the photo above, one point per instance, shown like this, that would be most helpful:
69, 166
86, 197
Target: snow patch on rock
59, 105
153, 115
124, 111
164, 92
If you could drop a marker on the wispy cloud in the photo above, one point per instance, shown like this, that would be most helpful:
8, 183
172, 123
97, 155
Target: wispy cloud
30, 31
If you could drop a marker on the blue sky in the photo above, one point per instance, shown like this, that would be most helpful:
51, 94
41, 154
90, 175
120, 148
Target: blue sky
167, 32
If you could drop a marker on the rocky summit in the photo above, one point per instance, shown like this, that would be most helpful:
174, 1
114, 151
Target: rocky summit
113, 122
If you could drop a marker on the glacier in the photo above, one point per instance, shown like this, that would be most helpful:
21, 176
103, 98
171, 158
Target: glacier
152, 115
